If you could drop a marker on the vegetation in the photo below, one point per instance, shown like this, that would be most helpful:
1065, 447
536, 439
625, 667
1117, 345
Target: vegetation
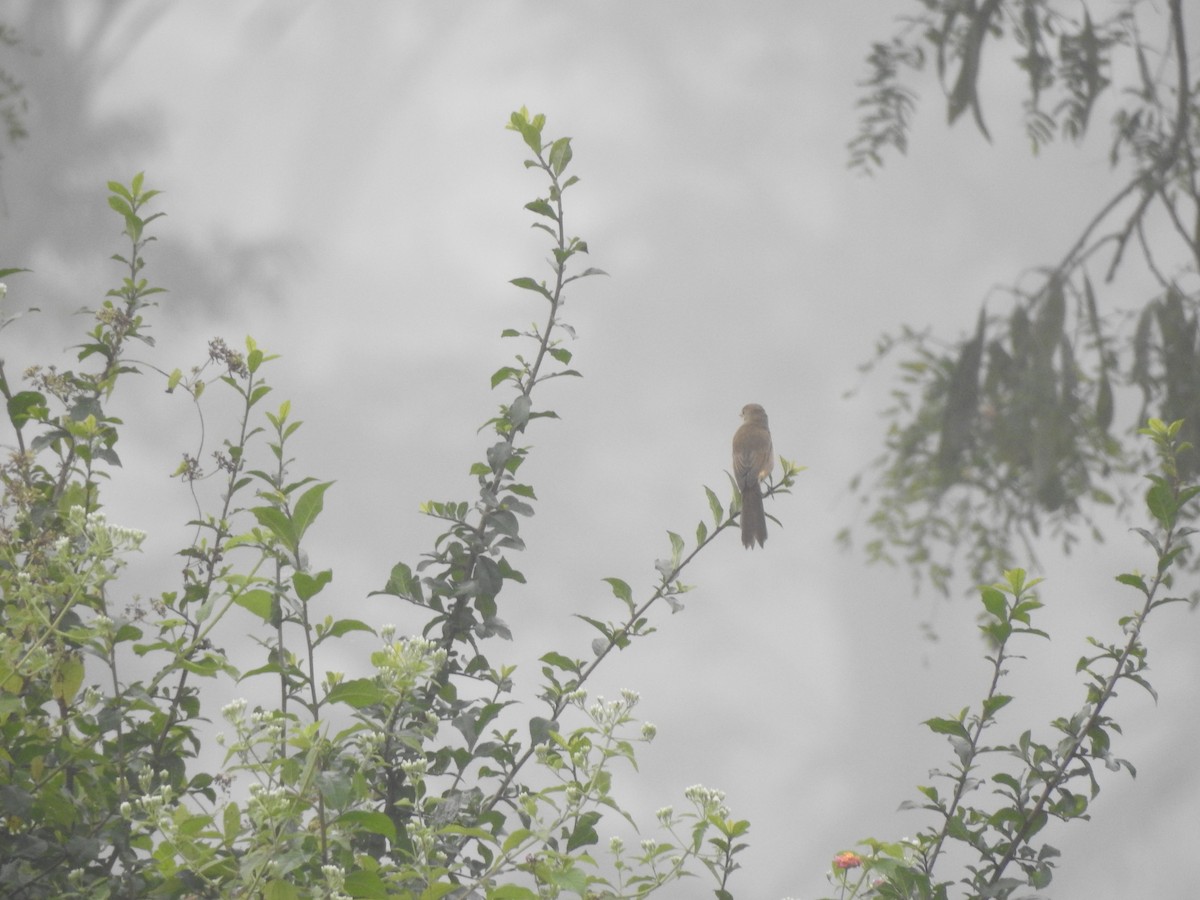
418, 775
1021, 428
415, 777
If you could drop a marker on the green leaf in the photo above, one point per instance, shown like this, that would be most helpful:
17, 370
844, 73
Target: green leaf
530, 129
231, 823
372, 822
119, 204
677, 546
574, 880
277, 889
436, 891
345, 626
621, 590
511, 892
1133, 581
530, 285
963, 95
584, 832
68, 676
1161, 504
401, 583
356, 693
994, 704
276, 521
308, 507
561, 662
714, 504
560, 155
27, 405
540, 729
308, 586
480, 834
258, 601
514, 840
366, 885
995, 603
542, 208
946, 726
518, 411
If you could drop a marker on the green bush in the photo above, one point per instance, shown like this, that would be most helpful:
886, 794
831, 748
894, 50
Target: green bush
414, 777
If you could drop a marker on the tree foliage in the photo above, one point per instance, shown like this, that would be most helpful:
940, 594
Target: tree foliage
1023, 427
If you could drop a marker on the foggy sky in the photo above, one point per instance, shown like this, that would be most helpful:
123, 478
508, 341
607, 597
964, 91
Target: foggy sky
339, 184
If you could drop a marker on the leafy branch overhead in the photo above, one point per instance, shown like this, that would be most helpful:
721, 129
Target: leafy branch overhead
1020, 427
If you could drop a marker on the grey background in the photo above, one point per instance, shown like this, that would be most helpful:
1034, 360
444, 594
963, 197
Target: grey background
340, 186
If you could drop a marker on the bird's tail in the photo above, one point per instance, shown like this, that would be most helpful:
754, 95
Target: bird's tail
754, 520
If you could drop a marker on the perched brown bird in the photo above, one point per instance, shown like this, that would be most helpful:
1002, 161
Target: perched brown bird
753, 460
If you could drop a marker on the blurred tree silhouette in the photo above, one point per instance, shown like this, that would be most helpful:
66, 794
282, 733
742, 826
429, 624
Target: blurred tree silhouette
60, 58
1016, 429
13, 105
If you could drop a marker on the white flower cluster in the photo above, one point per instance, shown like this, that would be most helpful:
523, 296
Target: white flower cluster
408, 660
709, 801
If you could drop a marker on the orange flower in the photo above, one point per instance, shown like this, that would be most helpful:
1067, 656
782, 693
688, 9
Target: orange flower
847, 860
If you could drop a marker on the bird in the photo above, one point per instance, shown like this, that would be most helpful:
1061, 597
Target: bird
753, 460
